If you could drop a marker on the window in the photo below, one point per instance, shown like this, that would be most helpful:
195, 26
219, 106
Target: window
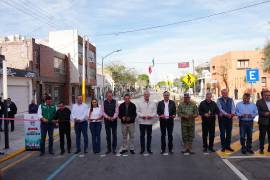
59, 65
263, 80
243, 63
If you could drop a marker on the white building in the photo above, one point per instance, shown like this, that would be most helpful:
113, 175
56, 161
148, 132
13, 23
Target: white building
71, 43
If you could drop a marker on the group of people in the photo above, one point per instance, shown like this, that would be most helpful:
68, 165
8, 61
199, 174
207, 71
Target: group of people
147, 112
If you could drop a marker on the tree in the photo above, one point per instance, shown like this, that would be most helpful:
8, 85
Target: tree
124, 78
143, 80
161, 84
224, 75
266, 59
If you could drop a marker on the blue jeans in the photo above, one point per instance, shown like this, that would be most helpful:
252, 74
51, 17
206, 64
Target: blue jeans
81, 128
225, 127
95, 128
246, 128
44, 128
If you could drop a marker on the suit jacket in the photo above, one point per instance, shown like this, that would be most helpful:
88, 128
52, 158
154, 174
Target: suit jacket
12, 110
161, 108
262, 109
131, 112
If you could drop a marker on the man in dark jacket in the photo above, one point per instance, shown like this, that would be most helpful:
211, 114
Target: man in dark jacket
33, 108
208, 110
110, 110
63, 118
263, 106
127, 114
1, 113
12, 110
166, 111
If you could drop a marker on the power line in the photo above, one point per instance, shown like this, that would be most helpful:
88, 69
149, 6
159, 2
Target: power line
186, 21
25, 12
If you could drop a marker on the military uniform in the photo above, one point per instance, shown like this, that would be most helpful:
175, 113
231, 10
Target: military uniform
187, 124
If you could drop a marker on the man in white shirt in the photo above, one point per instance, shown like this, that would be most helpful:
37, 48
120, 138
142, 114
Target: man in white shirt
79, 114
147, 112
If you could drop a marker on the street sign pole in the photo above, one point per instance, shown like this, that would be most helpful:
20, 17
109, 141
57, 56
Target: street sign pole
5, 96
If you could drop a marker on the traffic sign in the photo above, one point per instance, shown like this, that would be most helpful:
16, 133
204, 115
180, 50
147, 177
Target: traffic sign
189, 79
252, 75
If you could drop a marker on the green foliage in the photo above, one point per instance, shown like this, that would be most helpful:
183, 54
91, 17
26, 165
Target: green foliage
143, 80
266, 62
162, 84
121, 75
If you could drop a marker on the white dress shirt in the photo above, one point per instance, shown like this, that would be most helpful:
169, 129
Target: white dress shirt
268, 104
166, 110
95, 114
146, 109
79, 112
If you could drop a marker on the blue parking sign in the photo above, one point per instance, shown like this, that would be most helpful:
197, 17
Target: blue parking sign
252, 75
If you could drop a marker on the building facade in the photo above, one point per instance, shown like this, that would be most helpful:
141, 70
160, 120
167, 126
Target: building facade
54, 75
22, 56
229, 71
71, 43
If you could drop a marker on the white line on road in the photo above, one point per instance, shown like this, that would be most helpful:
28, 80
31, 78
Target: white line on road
248, 157
235, 170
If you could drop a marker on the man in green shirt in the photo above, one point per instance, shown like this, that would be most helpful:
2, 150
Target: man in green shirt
187, 111
46, 113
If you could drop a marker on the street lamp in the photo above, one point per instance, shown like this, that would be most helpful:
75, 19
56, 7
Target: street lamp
102, 67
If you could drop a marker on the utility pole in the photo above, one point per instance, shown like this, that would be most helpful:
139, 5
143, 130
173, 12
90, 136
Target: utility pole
193, 71
83, 72
5, 96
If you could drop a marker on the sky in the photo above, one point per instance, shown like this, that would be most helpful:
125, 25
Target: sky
198, 40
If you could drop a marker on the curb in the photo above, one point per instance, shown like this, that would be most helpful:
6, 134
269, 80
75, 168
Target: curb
15, 153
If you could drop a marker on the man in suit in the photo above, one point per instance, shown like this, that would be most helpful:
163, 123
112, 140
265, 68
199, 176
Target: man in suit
1, 113
166, 111
263, 106
12, 110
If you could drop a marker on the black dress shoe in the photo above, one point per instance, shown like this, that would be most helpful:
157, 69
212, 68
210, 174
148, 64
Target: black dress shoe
51, 153
205, 150
123, 152
230, 149
132, 152
108, 152
77, 152
250, 151
141, 152
244, 151
85, 152
261, 151
150, 152
62, 152
162, 152
212, 150
114, 152
171, 152
268, 150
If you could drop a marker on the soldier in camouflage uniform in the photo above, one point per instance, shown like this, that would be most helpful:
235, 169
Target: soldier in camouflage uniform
187, 111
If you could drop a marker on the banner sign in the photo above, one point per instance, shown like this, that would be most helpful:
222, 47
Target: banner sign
32, 132
183, 65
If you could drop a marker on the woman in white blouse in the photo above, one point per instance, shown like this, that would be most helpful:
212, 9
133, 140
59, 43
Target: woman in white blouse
95, 123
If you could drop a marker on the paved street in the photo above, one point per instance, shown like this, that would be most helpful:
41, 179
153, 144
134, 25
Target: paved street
30, 165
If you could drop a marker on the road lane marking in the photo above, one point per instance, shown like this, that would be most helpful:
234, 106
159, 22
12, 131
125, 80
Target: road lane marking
236, 146
61, 168
16, 162
235, 170
248, 157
